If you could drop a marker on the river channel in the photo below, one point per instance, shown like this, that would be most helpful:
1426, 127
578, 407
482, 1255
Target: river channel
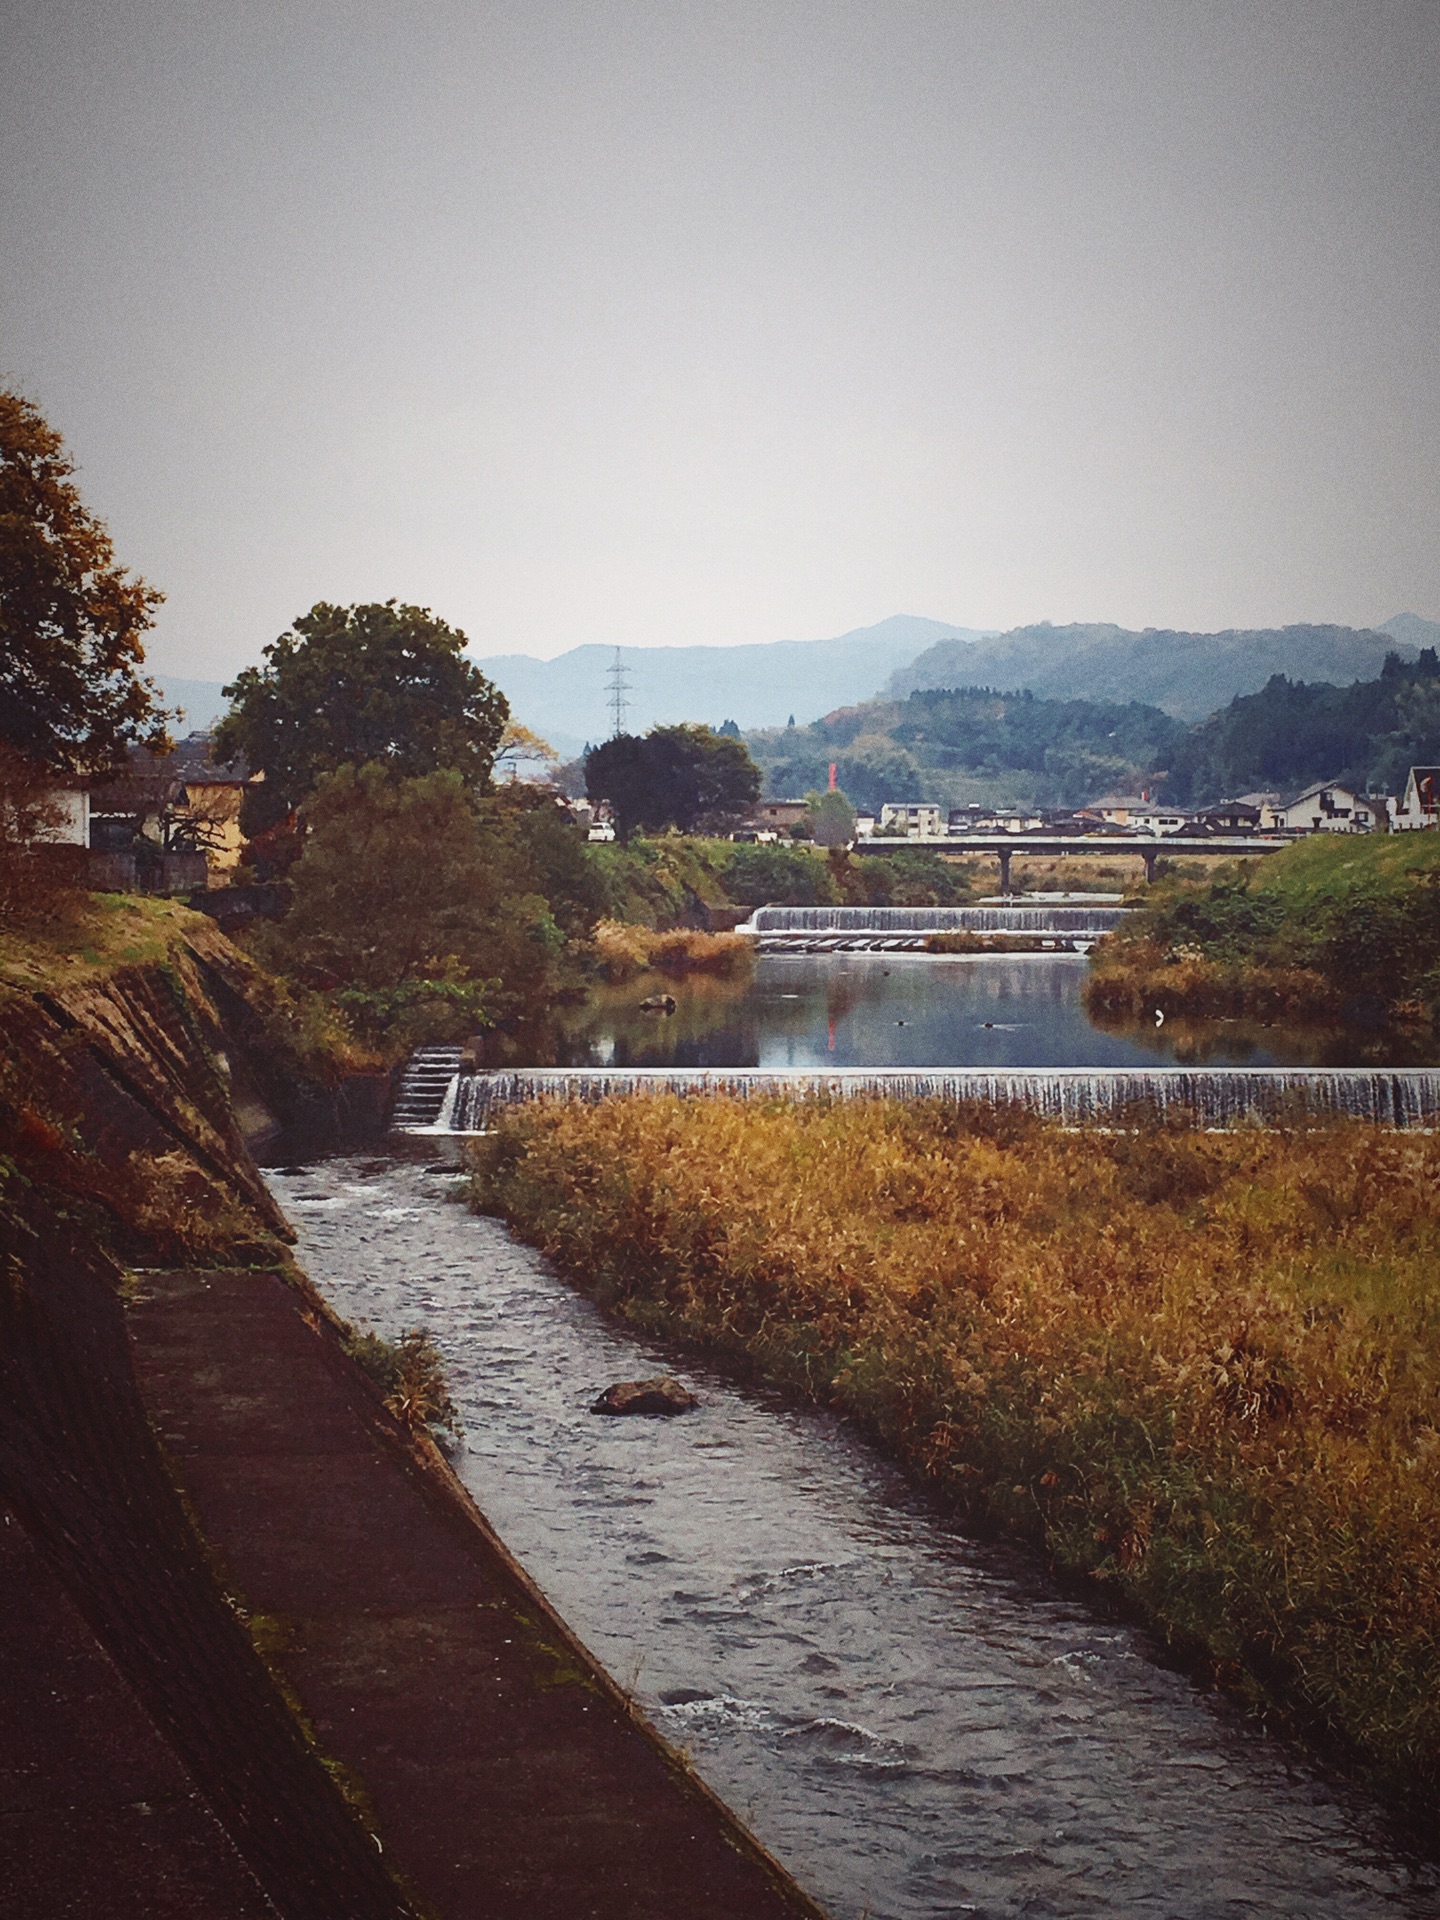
919, 1726
920, 1010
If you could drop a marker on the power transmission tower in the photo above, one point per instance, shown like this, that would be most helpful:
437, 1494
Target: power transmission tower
618, 681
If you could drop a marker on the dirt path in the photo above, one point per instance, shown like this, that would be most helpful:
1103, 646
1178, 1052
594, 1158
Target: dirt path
499, 1769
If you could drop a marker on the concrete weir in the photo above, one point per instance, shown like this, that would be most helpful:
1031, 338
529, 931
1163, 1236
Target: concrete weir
1208, 1096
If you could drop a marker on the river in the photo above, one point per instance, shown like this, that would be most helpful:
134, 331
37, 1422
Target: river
994, 1011
918, 1725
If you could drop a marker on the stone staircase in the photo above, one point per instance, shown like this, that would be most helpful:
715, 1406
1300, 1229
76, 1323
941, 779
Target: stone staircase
423, 1087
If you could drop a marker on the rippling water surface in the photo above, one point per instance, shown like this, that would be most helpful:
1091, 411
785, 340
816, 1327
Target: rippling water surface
917, 1725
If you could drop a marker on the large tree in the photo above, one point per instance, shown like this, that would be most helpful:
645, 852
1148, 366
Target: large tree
378, 685
428, 909
686, 777
71, 691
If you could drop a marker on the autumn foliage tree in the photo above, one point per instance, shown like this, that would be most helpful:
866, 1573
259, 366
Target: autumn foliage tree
72, 694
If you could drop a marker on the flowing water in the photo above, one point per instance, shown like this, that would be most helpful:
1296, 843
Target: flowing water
989, 917
919, 1726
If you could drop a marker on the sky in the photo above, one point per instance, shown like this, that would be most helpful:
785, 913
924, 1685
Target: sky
711, 323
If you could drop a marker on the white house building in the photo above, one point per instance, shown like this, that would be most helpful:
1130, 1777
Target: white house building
1419, 806
911, 818
1138, 813
1330, 808
71, 801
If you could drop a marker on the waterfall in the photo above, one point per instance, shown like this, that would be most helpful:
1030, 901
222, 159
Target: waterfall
890, 920
1208, 1096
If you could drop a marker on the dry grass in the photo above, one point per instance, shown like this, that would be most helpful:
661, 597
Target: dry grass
623, 950
1202, 1370
1128, 980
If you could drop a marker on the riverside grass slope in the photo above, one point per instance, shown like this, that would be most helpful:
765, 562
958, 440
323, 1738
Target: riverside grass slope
1201, 1370
1303, 935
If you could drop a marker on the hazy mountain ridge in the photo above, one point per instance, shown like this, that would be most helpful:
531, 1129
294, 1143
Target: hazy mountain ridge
1190, 675
567, 701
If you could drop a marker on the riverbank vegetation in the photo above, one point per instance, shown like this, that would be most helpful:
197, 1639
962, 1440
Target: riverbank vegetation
624, 951
1336, 926
1199, 1370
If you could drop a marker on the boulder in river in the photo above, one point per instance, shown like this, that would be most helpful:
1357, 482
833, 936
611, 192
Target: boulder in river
662, 1395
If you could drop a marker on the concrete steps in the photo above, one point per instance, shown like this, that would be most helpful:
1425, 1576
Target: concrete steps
423, 1087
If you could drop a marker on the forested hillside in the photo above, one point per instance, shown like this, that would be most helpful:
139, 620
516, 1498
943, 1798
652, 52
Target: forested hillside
1188, 674
1294, 731
972, 743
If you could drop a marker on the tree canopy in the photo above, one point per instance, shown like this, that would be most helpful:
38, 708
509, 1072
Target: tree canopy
832, 818
427, 910
1294, 731
71, 691
381, 685
687, 777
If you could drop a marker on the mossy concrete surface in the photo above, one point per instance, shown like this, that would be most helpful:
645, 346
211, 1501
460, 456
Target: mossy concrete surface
506, 1774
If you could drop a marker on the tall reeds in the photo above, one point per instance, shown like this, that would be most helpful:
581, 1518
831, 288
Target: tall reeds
1201, 1370
622, 950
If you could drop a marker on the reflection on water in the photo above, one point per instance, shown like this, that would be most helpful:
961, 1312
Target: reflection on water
918, 1725
900, 1010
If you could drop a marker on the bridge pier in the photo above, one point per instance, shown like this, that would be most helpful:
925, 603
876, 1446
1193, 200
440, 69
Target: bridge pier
1004, 857
1149, 856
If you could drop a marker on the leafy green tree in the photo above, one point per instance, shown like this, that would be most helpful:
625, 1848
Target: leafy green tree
71, 691
426, 910
832, 818
384, 685
687, 777
908, 877
757, 876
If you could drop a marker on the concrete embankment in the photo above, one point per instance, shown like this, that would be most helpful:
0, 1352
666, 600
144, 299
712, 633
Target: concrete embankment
257, 1651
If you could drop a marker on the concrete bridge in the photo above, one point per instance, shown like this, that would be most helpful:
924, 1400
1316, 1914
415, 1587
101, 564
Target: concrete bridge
1148, 846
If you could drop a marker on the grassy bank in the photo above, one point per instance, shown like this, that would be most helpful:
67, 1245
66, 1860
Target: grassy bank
622, 951
1335, 924
1200, 1370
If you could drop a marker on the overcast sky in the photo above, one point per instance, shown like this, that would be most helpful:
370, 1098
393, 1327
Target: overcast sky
724, 322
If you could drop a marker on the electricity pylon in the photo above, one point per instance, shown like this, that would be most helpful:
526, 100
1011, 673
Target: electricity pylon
618, 681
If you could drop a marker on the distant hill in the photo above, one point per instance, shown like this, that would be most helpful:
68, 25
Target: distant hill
1411, 631
1368, 734
1188, 674
951, 745
566, 700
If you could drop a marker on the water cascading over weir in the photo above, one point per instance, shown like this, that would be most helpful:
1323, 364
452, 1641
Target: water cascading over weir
1206, 1096
895, 929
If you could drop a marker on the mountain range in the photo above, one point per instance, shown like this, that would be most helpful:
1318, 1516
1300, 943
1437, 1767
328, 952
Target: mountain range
1190, 675
761, 685
567, 699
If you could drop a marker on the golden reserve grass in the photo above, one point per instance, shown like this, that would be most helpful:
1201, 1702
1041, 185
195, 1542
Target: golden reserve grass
1200, 1369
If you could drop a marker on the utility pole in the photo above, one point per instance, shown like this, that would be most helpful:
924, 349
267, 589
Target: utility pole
618, 681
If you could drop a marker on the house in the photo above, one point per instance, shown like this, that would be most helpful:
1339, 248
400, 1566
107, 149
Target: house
1229, 816
915, 819
1269, 807
178, 805
67, 799
1419, 805
1138, 813
1327, 807
780, 815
